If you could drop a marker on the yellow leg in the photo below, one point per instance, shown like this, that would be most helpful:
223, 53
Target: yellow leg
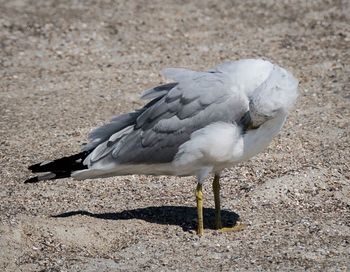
237, 227
216, 190
199, 199
218, 222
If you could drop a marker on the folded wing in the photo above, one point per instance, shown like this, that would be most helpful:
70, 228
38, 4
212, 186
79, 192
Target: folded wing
165, 123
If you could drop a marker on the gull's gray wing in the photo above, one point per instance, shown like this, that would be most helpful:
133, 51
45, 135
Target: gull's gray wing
158, 91
119, 122
102, 133
196, 100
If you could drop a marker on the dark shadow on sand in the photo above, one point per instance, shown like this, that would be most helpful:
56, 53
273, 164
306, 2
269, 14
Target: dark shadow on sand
182, 216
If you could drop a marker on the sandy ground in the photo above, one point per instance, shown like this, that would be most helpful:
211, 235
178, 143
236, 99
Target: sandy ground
67, 66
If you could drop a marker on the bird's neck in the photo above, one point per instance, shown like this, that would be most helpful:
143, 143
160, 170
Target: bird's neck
256, 140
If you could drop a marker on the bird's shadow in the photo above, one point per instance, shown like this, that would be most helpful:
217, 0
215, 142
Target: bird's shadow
182, 216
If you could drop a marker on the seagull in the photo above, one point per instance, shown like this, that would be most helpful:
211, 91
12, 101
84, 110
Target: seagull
198, 124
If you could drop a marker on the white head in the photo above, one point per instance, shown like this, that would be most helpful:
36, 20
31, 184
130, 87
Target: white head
275, 96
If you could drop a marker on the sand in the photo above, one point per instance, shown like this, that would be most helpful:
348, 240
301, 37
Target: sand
68, 66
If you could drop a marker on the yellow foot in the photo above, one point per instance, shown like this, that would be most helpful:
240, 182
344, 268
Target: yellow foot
200, 231
237, 227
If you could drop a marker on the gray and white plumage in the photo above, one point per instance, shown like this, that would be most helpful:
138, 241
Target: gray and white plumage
200, 123
192, 126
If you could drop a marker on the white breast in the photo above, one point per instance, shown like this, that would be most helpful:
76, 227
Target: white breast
222, 145
212, 146
255, 141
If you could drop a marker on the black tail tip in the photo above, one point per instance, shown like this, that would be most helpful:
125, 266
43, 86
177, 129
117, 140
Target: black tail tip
32, 180
38, 167
33, 166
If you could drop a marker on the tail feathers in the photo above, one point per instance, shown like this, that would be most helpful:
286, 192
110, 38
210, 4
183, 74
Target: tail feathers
48, 176
57, 169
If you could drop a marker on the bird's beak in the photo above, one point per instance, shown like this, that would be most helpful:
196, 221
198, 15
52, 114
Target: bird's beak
246, 122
